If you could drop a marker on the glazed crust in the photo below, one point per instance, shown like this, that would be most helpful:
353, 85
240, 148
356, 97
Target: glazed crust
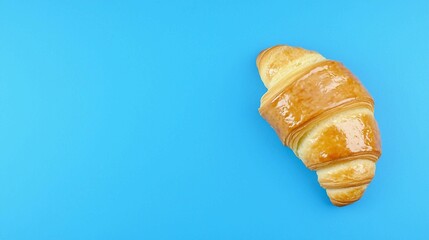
327, 86
324, 114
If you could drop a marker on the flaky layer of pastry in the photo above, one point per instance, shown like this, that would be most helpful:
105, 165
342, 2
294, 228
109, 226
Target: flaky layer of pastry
319, 89
322, 111
346, 174
344, 196
345, 135
279, 63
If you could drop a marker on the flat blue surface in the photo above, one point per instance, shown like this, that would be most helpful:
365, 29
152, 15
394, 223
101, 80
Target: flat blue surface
138, 120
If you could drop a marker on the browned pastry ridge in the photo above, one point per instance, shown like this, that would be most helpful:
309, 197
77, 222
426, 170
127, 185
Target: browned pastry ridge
322, 112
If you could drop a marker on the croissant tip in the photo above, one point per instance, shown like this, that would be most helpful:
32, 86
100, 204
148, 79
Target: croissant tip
282, 61
263, 52
345, 196
340, 204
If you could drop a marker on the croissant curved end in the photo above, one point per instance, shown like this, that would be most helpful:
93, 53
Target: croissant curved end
281, 62
345, 196
346, 182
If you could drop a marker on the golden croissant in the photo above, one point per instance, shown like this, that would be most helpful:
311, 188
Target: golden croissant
322, 112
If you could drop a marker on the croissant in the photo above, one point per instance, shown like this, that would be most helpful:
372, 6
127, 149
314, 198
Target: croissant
322, 112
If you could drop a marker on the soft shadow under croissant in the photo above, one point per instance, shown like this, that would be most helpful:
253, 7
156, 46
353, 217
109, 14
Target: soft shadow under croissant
323, 113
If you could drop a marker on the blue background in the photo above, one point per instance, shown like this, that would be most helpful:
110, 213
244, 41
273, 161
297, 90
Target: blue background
138, 120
